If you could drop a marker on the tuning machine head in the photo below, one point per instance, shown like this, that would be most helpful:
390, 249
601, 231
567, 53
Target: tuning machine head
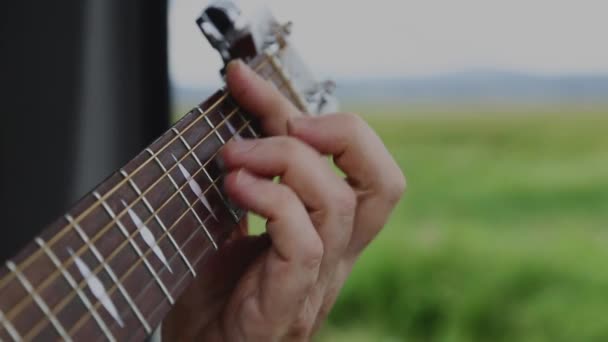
239, 35
236, 35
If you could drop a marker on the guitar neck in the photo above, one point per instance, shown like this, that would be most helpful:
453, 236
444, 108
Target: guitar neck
116, 262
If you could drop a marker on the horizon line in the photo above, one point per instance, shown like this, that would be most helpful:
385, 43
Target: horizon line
464, 73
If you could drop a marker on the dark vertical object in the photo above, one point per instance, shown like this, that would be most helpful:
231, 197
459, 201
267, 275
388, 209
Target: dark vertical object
83, 87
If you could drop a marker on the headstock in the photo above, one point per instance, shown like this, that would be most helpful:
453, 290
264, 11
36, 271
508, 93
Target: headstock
235, 35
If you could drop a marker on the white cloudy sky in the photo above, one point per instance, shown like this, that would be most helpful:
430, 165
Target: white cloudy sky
362, 39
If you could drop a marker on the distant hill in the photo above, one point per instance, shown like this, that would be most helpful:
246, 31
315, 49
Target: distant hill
483, 87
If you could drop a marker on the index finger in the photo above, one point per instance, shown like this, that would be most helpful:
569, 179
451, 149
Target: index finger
258, 96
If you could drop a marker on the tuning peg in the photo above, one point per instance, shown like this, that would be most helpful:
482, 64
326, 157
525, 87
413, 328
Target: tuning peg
329, 86
287, 28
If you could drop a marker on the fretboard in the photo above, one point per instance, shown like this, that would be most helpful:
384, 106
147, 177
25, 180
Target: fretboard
112, 267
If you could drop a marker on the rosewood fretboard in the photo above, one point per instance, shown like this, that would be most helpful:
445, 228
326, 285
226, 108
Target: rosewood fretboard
112, 267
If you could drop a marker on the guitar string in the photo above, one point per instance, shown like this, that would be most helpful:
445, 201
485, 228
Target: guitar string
17, 308
29, 259
175, 255
111, 223
111, 290
87, 315
137, 199
178, 284
57, 308
66, 300
84, 214
180, 188
179, 281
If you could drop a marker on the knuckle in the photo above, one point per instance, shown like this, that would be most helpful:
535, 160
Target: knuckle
252, 322
312, 255
325, 309
394, 186
290, 146
301, 328
296, 153
282, 269
345, 201
353, 121
285, 198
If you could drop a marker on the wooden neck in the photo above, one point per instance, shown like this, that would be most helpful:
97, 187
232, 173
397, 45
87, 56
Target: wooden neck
116, 262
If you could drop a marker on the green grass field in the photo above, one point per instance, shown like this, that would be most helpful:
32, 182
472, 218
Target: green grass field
502, 234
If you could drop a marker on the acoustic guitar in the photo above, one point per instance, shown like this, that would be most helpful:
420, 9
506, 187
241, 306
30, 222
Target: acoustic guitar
113, 266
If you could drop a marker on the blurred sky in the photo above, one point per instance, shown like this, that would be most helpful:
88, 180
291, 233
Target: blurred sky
412, 38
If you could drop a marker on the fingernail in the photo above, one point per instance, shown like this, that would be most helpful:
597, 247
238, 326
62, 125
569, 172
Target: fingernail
243, 178
239, 65
227, 198
234, 64
238, 176
219, 162
241, 146
229, 201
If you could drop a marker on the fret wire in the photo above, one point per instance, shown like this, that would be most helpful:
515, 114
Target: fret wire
231, 129
182, 278
246, 125
130, 239
10, 328
110, 224
41, 304
68, 277
173, 226
204, 252
178, 189
106, 266
170, 260
247, 122
198, 161
188, 180
190, 237
157, 218
63, 230
105, 228
249, 127
240, 114
119, 248
211, 125
82, 285
144, 230
122, 245
188, 204
110, 192
108, 270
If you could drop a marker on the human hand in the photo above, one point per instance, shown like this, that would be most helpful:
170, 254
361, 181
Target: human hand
318, 223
